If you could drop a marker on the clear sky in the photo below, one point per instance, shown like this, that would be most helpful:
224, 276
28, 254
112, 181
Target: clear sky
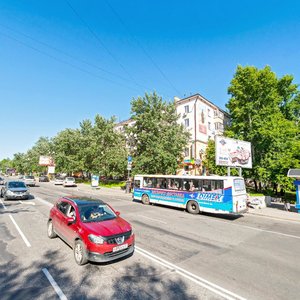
64, 61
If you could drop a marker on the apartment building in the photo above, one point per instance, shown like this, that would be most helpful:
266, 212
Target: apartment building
204, 120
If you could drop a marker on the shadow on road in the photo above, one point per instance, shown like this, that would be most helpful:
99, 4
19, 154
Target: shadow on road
135, 281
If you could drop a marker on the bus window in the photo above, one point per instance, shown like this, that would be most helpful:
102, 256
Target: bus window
195, 185
137, 183
186, 185
239, 185
206, 185
178, 183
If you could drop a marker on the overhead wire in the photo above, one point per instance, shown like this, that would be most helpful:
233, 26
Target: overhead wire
142, 48
93, 33
63, 52
65, 62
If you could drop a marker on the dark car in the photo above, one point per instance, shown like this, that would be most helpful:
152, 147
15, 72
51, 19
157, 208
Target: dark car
92, 228
15, 190
43, 178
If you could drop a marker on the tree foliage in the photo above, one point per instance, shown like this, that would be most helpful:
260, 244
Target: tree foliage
158, 140
265, 111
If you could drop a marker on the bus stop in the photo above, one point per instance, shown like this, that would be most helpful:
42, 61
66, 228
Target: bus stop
295, 173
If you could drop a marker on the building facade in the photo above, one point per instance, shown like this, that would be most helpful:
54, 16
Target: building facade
203, 120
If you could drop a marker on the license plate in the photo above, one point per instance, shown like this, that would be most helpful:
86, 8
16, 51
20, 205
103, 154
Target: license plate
121, 247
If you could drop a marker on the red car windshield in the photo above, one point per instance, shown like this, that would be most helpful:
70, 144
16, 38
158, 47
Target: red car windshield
95, 213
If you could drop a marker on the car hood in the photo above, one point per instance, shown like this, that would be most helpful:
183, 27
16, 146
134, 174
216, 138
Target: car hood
108, 228
20, 189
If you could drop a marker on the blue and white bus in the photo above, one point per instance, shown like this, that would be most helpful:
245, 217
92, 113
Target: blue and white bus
214, 194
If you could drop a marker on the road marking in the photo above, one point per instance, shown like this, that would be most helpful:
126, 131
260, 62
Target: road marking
156, 220
57, 289
269, 231
254, 228
196, 279
27, 202
20, 231
44, 201
3, 204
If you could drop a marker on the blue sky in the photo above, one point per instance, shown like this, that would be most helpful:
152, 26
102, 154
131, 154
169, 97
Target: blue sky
59, 67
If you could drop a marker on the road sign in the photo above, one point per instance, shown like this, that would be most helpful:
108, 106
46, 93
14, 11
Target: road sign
129, 166
129, 158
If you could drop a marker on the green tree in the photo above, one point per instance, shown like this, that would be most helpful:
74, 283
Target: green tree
157, 137
265, 111
67, 151
5, 163
108, 148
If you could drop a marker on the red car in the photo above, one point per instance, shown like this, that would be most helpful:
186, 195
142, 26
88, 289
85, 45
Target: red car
92, 228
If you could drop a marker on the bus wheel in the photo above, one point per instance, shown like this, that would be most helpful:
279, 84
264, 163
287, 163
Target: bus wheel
193, 207
145, 199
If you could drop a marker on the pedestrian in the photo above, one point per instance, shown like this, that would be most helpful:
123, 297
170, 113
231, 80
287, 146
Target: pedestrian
288, 206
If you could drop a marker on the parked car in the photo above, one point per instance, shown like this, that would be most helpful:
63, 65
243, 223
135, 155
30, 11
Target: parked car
94, 230
69, 181
59, 181
2, 181
15, 190
43, 178
29, 180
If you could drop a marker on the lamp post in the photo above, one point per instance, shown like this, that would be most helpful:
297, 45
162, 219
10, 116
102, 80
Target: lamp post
130, 142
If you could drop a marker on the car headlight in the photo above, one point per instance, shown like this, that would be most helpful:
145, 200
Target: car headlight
96, 239
9, 192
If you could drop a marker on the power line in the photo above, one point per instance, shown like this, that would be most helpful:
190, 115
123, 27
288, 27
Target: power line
101, 42
63, 52
65, 62
143, 49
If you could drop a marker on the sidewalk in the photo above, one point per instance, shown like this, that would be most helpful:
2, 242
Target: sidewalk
103, 190
276, 211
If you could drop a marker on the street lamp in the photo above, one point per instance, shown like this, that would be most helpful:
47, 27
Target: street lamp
130, 143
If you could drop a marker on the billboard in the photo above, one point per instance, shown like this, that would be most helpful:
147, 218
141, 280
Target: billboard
233, 153
46, 161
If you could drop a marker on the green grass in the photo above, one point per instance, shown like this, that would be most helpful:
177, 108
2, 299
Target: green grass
108, 184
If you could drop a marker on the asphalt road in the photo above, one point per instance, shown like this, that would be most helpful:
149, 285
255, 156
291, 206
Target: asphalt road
178, 255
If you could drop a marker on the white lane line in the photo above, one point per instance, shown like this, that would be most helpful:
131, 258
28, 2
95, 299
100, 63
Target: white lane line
257, 229
57, 289
156, 220
20, 231
270, 231
196, 279
44, 201
27, 202
2, 204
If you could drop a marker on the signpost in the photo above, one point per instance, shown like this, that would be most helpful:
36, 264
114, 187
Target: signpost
95, 181
295, 173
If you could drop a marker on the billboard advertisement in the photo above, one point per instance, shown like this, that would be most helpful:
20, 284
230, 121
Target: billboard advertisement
46, 161
233, 153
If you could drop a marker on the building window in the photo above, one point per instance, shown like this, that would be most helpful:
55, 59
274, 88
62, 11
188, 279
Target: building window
219, 126
186, 109
209, 126
186, 123
208, 112
186, 152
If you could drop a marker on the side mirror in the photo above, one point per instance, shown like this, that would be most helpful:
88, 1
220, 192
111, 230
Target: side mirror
70, 220
118, 213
